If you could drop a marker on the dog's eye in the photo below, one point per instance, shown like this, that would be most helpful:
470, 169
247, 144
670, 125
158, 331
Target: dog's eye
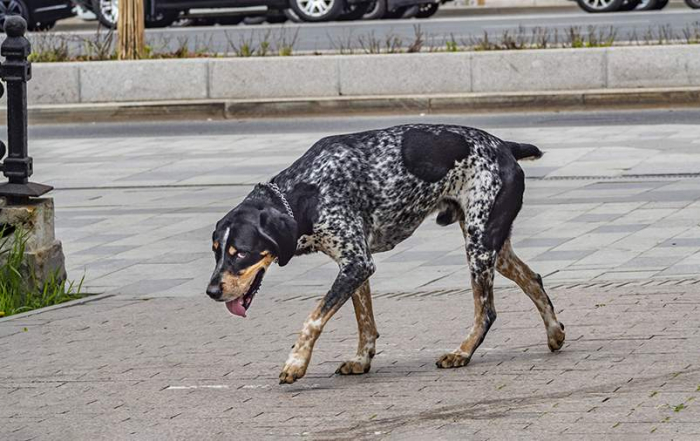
241, 255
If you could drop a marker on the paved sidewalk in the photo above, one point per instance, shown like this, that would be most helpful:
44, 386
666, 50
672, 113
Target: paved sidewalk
610, 219
136, 214
183, 369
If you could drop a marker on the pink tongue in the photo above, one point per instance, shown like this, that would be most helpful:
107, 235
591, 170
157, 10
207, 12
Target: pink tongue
235, 307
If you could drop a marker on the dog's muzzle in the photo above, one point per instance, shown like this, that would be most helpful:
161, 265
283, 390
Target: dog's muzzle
240, 305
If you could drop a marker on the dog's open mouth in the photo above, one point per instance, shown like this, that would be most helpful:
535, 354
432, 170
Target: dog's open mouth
240, 305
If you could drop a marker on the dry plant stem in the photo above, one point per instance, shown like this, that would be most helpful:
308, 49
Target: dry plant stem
130, 28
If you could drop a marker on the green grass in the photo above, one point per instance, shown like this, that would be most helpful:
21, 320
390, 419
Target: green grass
15, 294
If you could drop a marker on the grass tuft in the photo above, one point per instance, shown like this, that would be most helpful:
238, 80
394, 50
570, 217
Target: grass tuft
16, 295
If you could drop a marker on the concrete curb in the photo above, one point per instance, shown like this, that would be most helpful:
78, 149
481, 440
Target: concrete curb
87, 299
336, 77
428, 104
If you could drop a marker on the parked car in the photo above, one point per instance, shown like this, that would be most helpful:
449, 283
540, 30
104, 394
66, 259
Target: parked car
107, 12
39, 14
161, 13
402, 9
628, 5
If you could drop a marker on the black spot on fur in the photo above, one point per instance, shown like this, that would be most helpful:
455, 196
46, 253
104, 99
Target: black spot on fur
429, 156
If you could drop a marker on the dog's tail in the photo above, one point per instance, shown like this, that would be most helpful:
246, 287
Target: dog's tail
524, 151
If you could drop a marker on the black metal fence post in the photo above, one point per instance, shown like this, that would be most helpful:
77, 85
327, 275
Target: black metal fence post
16, 71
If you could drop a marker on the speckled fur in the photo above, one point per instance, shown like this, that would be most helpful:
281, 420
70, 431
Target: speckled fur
369, 198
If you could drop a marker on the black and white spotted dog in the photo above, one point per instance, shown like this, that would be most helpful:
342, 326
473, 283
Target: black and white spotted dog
350, 196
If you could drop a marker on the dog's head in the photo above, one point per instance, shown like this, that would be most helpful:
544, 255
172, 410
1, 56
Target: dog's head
245, 242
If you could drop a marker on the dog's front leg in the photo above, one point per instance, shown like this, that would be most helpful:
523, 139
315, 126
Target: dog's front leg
352, 275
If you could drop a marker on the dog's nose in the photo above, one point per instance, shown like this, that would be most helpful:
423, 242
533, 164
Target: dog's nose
214, 291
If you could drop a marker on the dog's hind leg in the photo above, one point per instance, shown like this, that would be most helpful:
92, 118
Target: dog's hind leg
481, 266
530, 282
491, 206
367, 329
481, 256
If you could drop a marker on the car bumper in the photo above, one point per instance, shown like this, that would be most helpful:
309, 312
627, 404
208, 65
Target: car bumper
48, 12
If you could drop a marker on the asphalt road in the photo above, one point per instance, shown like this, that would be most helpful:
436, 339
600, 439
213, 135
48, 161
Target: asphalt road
345, 124
465, 30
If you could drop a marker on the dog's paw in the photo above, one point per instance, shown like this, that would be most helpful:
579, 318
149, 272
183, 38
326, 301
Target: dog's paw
353, 367
556, 337
291, 373
452, 360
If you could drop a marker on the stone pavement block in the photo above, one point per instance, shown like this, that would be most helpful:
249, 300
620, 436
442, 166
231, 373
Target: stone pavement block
676, 69
571, 255
145, 80
44, 91
538, 70
258, 77
383, 71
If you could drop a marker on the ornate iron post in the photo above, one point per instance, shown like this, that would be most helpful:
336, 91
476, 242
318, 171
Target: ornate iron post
16, 71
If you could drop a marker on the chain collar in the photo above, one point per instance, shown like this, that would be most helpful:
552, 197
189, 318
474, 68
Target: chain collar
276, 190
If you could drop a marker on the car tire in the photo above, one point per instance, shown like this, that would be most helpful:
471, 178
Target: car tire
629, 5
695, 4
595, 6
354, 12
14, 7
107, 12
660, 4
646, 5
317, 10
292, 16
375, 10
426, 10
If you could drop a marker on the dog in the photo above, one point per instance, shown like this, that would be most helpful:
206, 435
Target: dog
351, 196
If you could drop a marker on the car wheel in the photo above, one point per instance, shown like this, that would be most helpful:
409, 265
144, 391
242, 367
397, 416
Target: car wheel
629, 5
600, 5
695, 4
646, 5
426, 10
375, 10
660, 4
292, 16
354, 12
317, 10
14, 7
107, 12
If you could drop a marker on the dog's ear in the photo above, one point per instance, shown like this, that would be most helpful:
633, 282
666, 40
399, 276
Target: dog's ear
280, 230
